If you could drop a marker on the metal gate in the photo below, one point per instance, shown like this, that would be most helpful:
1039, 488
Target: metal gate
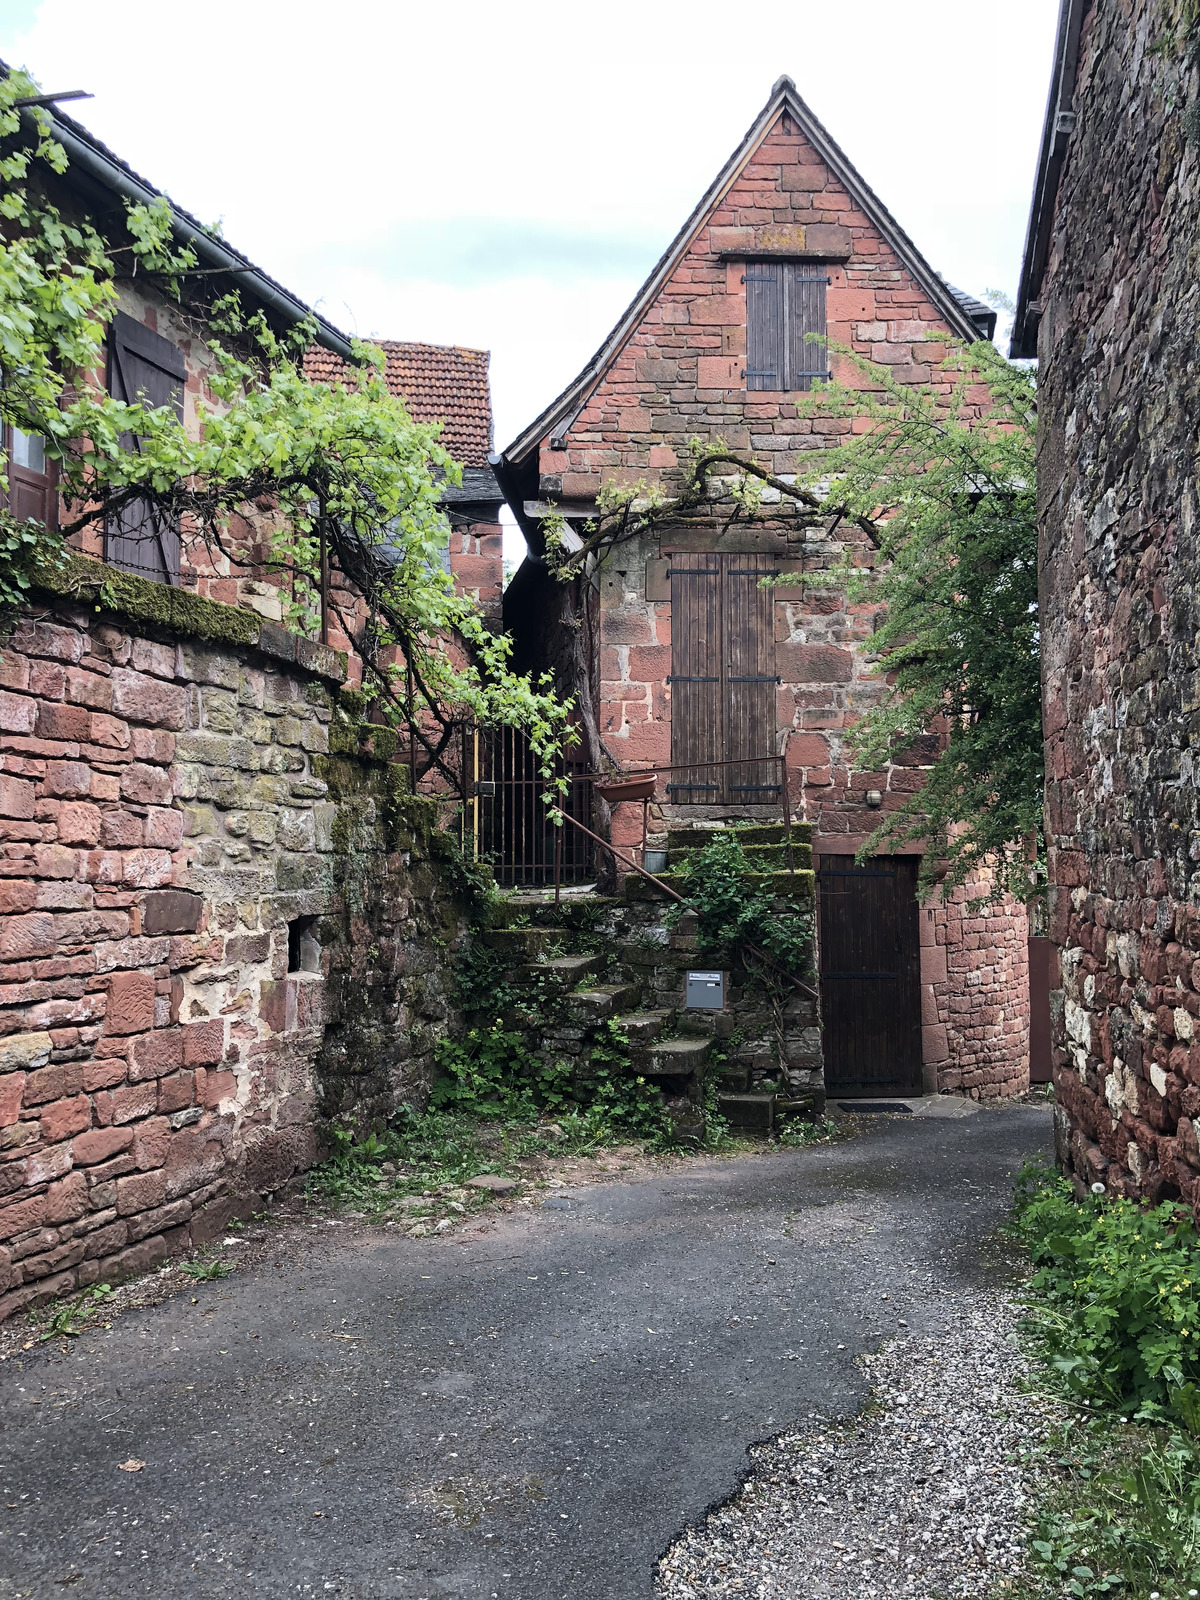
509, 817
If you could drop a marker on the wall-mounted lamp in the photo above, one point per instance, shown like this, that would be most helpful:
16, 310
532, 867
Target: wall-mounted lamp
874, 799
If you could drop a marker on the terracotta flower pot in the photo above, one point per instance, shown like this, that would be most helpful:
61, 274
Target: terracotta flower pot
618, 789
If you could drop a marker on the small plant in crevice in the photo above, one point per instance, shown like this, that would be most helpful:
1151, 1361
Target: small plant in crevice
205, 1271
69, 1320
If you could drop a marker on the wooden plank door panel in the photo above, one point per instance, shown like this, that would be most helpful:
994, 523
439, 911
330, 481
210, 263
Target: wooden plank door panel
697, 722
749, 688
870, 965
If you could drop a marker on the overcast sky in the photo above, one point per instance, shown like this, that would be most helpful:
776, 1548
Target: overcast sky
505, 174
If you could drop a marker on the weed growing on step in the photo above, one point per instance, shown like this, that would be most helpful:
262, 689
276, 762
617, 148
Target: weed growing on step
732, 913
1114, 1322
797, 1132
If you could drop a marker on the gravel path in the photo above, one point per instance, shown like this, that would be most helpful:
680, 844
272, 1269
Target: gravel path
921, 1495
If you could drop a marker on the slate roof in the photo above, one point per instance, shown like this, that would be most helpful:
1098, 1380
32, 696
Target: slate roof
439, 383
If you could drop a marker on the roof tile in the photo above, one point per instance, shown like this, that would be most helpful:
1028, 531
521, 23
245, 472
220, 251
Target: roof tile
438, 383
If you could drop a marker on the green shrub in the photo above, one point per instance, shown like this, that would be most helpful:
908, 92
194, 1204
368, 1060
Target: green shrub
491, 1074
1114, 1298
730, 914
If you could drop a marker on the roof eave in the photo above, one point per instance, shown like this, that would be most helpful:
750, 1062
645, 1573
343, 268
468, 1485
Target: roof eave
88, 154
1056, 132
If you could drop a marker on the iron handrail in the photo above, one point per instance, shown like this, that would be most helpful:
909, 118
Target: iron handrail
704, 766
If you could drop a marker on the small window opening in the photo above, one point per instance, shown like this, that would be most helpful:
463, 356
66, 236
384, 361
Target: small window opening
304, 948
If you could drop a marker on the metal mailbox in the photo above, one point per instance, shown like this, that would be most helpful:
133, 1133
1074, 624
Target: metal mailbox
704, 991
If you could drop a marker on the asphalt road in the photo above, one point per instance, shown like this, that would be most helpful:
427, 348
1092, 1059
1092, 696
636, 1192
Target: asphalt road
529, 1413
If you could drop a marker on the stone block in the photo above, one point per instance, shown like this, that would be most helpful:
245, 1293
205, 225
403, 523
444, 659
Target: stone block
61, 721
79, 822
146, 869
142, 698
140, 1191
101, 1144
154, 1054
204, 1043
146, 785
23, 938
171, 911
17, 798
19, 714
61, 1119
130, 1004
67, 1199
65, 779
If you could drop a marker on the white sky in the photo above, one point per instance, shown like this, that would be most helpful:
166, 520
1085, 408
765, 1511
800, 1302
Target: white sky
505, 174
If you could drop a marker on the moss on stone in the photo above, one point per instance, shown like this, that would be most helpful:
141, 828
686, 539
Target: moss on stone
159, 604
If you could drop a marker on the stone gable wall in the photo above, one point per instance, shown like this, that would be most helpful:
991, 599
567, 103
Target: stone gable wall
681, 377
168, 806
1119, 394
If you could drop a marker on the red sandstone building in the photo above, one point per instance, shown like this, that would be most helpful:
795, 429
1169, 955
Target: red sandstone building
687, 661
170, 1027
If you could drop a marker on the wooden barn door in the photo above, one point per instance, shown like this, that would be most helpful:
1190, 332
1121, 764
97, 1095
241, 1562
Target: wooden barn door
722, 680
870, 975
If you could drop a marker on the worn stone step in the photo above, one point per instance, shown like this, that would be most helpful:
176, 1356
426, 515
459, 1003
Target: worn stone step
755, 1112
798, 885
752, 835
672, 1058
564, 971
643, 1027
605, 1000
521, 941
762, 858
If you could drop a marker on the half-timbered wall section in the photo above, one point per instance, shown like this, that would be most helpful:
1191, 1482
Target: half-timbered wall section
694, 662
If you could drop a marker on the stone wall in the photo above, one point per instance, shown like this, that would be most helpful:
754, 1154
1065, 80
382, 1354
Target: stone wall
212, 926
1119, 394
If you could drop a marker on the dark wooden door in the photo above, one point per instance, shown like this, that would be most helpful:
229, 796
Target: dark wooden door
870, 960
722, 679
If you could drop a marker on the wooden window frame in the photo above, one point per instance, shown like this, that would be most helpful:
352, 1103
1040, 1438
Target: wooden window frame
23, 483
787, 304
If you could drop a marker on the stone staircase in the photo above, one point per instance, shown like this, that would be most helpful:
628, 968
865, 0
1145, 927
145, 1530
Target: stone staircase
593, 958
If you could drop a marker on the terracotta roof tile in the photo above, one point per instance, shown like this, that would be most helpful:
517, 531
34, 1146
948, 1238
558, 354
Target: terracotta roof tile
438, 383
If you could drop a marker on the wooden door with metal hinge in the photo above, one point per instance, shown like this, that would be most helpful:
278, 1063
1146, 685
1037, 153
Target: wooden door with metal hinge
723, 681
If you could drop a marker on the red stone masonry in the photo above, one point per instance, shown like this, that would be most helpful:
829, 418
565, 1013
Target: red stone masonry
679, 376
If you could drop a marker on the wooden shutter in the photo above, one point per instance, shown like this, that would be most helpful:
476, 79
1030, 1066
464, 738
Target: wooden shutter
722, 680
32, 480
804, 313
143, 366
785, 302
696, 697
764, 325
749, 687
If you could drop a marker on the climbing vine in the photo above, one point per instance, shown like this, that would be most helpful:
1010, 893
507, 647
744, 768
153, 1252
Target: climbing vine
328, 475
